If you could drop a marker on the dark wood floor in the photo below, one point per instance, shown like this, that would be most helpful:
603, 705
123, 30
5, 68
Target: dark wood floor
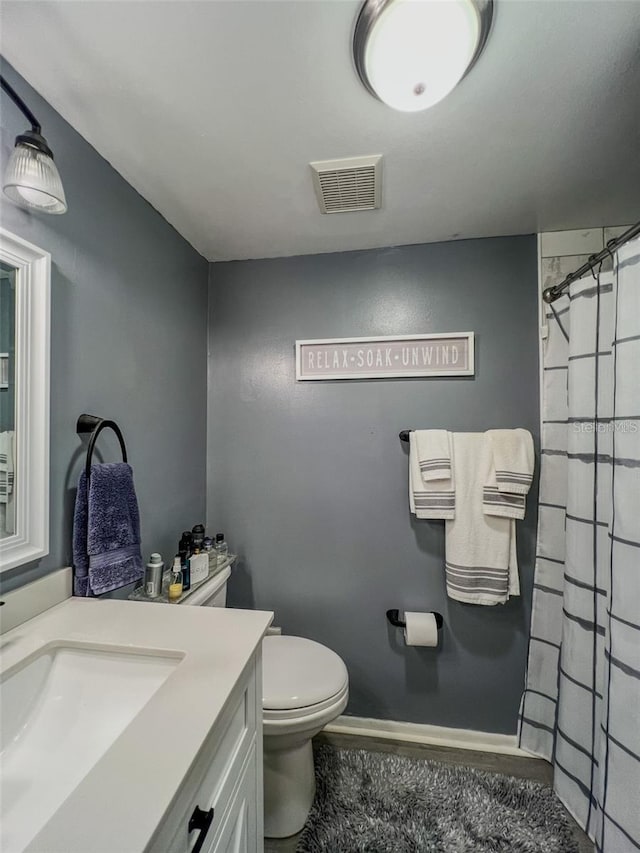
510, 765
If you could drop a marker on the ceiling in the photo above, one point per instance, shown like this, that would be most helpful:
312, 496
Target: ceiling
213, 110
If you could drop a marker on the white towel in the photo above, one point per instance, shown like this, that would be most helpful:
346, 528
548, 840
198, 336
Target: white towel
481, 562
514, 574
433, 500
7, 492
433, 447
6, 466
495, 502
513, 459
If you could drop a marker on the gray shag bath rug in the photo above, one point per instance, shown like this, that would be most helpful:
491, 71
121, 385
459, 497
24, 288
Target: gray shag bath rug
368, 802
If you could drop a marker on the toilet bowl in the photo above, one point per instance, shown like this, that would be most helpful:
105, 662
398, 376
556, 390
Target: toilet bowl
305, 686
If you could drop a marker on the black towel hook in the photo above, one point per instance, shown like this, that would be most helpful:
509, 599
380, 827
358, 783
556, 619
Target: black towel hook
95, 425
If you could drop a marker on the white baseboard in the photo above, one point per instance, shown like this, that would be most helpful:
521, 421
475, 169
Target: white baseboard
32, 599
433, 735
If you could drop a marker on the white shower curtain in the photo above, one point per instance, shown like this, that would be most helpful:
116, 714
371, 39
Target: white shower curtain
581, 705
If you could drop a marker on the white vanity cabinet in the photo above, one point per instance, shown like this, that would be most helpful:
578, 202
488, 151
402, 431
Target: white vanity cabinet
218, 808
168, 755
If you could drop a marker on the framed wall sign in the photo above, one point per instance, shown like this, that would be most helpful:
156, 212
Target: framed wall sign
387, 357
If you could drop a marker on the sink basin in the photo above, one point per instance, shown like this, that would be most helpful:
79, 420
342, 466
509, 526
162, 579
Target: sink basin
61, 711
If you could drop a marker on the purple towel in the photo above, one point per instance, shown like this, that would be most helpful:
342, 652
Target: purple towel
106, 530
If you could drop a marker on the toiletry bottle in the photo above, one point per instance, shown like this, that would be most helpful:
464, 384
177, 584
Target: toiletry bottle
153, 576
186, 540
198, 566
184, 549
197, 536
175, 585
222, 550
210, 551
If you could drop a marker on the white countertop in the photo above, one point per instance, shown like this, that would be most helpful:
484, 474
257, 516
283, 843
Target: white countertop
118, 805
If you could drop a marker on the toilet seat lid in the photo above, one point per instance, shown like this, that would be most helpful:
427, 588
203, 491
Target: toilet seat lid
297, 672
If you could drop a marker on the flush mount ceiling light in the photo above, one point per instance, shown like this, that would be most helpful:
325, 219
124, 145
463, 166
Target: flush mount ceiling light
411, 53
32, 179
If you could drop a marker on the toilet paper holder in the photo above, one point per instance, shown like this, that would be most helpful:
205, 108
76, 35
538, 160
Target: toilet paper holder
394, 618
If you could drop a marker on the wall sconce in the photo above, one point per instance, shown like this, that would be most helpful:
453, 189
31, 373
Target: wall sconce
32, 179
411, 53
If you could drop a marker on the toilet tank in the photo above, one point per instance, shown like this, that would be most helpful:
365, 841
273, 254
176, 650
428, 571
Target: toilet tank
211, 593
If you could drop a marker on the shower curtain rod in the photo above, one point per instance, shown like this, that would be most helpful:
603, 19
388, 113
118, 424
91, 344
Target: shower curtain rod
550, 294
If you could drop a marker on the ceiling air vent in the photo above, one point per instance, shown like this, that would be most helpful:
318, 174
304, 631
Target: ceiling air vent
354, 183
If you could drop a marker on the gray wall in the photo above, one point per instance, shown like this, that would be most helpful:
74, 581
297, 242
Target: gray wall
128, 336
309, 480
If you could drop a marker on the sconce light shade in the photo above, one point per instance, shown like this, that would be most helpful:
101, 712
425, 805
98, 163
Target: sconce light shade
32, 178
411, 53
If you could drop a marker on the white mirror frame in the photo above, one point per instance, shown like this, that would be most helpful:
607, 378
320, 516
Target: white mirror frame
32, 336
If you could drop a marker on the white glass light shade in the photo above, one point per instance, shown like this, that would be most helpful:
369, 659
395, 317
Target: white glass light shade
32, 180
419, 50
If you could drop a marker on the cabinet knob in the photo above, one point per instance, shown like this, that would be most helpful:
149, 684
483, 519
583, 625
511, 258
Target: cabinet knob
201, 821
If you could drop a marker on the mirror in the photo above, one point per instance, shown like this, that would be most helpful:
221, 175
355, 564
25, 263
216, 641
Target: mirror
25, 272
7, 399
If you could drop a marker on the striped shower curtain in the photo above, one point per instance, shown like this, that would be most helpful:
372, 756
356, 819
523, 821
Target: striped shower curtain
581, 705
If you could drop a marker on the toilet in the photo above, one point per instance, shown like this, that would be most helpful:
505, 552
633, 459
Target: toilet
305, 686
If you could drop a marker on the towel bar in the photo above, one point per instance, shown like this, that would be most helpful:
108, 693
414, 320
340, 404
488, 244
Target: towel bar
394, 618
95, 425
404, 434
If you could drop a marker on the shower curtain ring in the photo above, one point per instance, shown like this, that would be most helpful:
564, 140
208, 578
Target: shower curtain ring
592, 259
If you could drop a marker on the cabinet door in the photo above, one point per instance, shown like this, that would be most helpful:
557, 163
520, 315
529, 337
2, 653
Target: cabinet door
238, 833
219, 769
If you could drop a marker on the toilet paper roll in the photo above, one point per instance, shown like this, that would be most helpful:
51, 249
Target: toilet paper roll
421, 629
